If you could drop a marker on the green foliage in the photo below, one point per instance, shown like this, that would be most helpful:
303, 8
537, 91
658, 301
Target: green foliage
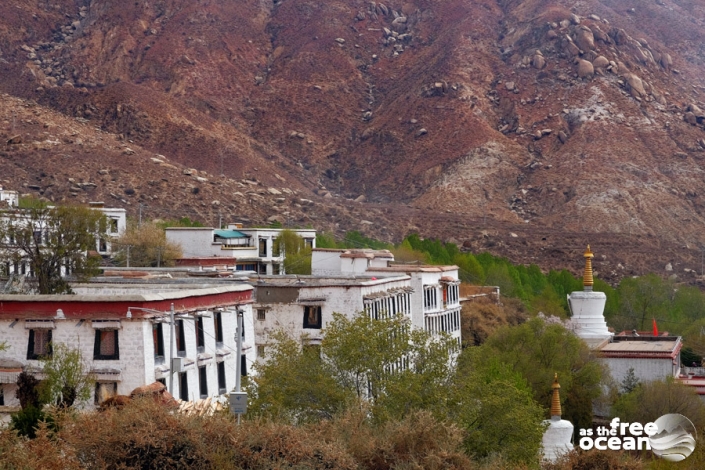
644, 298
27, 420
537, 350
396, 368
494, 404
51, 238
629, 383
324, 240
182, 222
297, 256
66, 377
648, 401
279, 391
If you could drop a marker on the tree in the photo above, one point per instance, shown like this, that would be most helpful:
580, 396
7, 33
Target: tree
146, 245
644, 298
651, 400
537, 350
629, 383
66, 377
297, 256
396, 368
494, 404
293, 384
51, 239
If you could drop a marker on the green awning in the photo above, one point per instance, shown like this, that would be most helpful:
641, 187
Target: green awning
230, 234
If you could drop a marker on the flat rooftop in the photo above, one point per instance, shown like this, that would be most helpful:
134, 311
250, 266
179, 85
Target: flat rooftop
320, 281
654, 346
414, 268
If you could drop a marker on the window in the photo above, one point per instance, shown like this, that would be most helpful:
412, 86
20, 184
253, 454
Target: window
276, 249
39, 343
262, 268
202, 382
308, 242
2, 395
113, 226
106, 345
263, 247
221, 378
104, 390
246, 267
102, 245
276, 269
261, 314
200, 335
158, 337
218, 324
183, 386
180, 338
312, 316
260, 351
37, 237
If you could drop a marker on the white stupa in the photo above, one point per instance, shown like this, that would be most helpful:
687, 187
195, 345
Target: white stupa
587, 308
558, 437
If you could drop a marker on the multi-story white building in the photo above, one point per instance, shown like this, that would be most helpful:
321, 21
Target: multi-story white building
435, 302
124, 334
303, 305
251, 249
116, 225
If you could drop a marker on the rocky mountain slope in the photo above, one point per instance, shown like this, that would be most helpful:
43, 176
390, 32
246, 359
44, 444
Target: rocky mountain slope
523, 127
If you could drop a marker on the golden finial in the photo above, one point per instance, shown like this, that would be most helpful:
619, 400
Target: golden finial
556, 400
587, 274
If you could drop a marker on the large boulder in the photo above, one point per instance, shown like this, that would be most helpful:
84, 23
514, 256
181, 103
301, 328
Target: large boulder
538, 61
600, 62
584, 39
585, 69
635, 86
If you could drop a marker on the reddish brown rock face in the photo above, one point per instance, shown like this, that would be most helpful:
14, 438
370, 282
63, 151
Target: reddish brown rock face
334, 100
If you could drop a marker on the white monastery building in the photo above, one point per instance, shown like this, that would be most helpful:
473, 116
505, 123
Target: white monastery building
248, 249
123, 331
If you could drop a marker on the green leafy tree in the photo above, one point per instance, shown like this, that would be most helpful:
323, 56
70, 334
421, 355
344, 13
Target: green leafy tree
294, 385
397, 368
644, 298
297, 256
67, 379
537, 350
629, 383
495, 406
51, 238
146, 245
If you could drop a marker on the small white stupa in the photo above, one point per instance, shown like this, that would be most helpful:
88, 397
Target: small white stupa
558, 437
587, 308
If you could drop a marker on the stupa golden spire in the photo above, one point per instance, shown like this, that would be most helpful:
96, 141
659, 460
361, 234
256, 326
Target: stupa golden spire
556, 400
587, 274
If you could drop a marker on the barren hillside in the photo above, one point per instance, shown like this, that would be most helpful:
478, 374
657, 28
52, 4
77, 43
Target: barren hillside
522, 127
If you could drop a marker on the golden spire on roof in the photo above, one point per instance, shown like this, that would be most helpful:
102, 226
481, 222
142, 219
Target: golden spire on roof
556, 400
587, 274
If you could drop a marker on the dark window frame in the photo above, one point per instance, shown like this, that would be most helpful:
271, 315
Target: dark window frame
261, 314
262, 248
30, 344
218, 326
200, 335
180, 338
203, 382
221, 378
313, 317
97, 356
183, 386
158, 340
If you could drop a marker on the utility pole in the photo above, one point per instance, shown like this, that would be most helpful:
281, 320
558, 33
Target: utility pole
171, 349
238, 399
128, 255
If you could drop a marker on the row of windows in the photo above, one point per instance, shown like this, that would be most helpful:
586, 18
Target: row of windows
105, 346
313, 318
180, 334
389, 306
447, 322
451, 296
